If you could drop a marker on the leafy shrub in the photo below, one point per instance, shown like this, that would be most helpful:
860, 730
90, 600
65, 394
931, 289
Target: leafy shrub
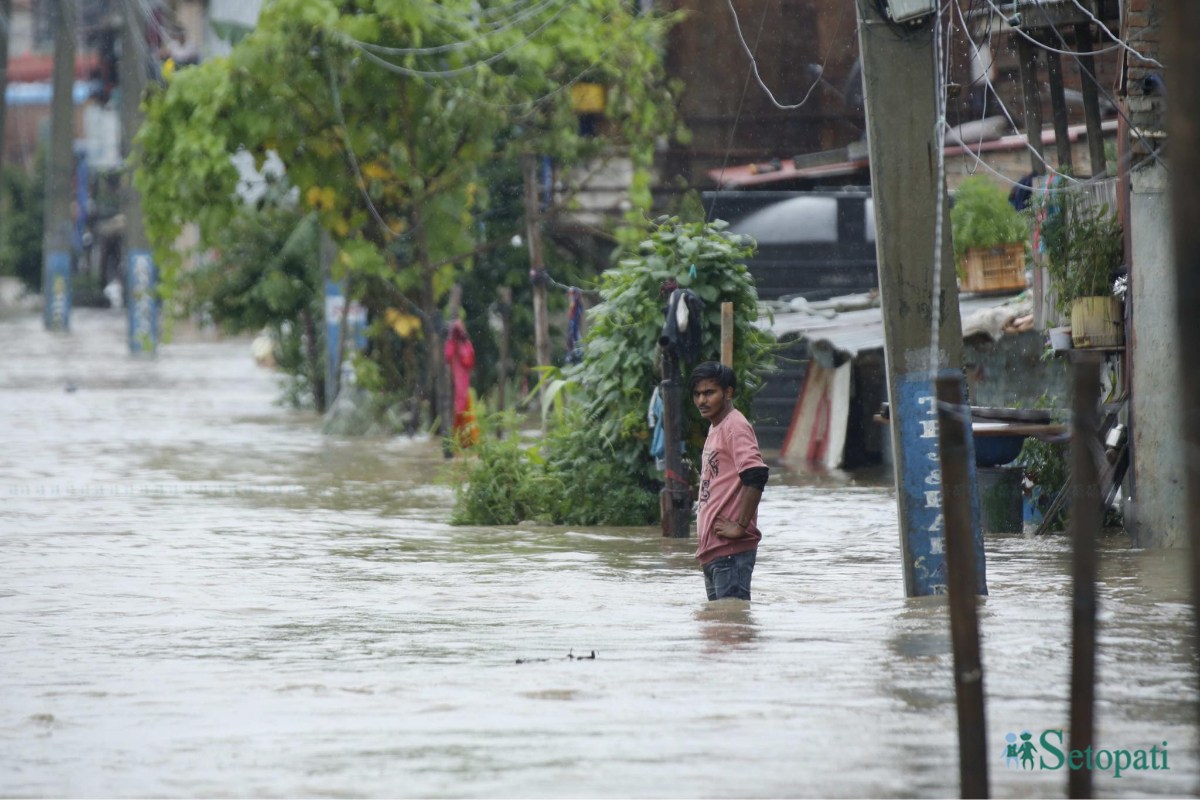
593, 466
1084, 245
983, 217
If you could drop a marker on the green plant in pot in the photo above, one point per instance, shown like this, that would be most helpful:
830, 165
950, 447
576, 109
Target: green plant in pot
989, 236
1084, 245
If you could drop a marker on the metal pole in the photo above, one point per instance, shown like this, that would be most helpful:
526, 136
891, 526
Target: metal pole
953, 421
1181, 31
1085, 520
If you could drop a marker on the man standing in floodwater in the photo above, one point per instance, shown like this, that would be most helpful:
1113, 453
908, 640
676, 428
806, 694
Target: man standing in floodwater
732, 478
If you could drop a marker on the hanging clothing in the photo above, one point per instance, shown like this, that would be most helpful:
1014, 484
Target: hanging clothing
683, 324
460, 355
574, 326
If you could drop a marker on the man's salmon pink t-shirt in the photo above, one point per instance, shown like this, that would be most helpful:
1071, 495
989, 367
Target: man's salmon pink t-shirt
730, 449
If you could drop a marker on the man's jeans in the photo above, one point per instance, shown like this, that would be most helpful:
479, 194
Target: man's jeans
729, 576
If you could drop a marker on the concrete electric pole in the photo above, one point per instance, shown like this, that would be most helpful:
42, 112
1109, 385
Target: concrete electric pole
900, 80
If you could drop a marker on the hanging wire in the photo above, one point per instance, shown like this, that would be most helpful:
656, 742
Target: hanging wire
464, 44
456, 71
753, 72
939, 135
741, 102
754, 62
359, 181
1120, 42
1153, 151
474, 16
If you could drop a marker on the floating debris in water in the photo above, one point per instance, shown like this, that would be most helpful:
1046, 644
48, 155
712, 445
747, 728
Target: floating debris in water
570, 656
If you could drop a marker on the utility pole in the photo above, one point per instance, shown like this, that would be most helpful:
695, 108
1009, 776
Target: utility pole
5, 18
537, 267
5, 21
899, 78
60, 166
1181, 31
141, 273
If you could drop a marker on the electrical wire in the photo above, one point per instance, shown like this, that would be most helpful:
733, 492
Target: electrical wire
456, 71
1153, 151
1120, 42
353, 159
738, 114
460, 45
939, 136
754, 64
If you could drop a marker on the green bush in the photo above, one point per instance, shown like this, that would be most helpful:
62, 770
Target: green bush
983, 217
22, 202
1084, 245
593, 466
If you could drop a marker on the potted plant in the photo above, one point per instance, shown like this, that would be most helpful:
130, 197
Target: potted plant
989, 238
1084, 245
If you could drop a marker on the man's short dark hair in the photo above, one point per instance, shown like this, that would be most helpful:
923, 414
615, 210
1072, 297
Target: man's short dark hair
713, 371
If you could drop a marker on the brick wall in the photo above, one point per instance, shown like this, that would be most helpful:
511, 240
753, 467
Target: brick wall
1145, 101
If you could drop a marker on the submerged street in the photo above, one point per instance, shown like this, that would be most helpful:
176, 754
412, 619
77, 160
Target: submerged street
201, 595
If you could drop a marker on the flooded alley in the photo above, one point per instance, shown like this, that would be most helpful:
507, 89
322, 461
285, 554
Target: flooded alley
201, 595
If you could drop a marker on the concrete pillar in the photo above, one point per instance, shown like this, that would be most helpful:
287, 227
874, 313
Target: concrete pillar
1159, 510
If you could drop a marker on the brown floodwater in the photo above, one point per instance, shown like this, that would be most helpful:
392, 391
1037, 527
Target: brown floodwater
201, 595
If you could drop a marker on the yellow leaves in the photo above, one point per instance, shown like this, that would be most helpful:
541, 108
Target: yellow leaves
168, 69
405, 325
376, 171
321, 198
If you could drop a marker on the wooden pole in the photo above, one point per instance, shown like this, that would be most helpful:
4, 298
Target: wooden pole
675, 499
1181, 31
963, 585
899, 76
1085, 520
1032, 93
1091, 98
1058, 107
727, 334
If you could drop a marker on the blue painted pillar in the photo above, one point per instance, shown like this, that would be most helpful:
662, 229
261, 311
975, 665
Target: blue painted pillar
142, 303
355, 326
920, 483
56, 291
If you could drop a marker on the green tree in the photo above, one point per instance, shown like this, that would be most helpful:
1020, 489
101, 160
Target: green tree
21, 250
383, 112
265, 273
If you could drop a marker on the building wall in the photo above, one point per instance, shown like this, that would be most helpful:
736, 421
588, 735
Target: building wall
1159, 509
705, 53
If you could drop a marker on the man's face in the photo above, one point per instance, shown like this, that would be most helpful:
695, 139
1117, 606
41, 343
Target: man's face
711, 400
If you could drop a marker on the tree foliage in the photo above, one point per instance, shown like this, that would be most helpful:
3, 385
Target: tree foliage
383, 113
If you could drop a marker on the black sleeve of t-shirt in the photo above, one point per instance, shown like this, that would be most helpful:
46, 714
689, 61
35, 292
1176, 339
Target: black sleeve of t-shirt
754, 477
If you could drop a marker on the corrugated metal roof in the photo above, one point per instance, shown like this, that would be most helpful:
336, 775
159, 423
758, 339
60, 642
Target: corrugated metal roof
853, 332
